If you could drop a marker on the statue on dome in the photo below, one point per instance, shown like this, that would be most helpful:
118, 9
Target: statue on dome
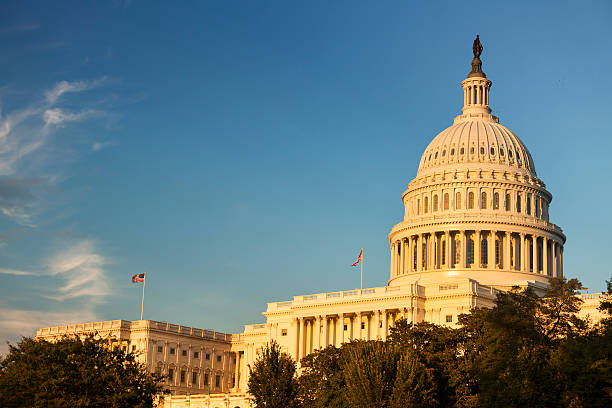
477, 47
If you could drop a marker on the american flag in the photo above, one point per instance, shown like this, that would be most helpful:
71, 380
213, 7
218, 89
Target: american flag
138, 278
358, 258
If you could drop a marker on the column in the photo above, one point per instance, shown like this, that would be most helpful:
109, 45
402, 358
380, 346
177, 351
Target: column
561, 260
463, 248
317, 333
235, 370
523, 253
325, 334
384, 325
410, 250
402, 264
534, 240
359, 331
477, 247
447, 249
491, 250
376, 324
341, 320
302, 340
419, 246
506, 252
545, 256
393, 252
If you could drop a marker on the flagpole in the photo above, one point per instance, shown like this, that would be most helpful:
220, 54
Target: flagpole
143, 288
362, 258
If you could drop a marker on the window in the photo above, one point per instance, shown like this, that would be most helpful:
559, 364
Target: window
457, 252
510, 153
470, 200
171, 350
133, 348
424, 255
435, 202
528, 204
362, 326
171, 375
484, 250
472, 150
184, 353
537, 206
482, 150
443, 153
205, 378
496, 201
436, 156
458, 201
419, 206
414, 257
283, 332
160, 349
470, 251
426, 205
218, 359
217, 381
446, 201
498, 252
518, 202
443, 255
492, 151
196, 354
207, 356
462, 150
345, 327
449, 318
501, 152
452, 152
448, 287
483, 200
182, 376
194, 379
508, 202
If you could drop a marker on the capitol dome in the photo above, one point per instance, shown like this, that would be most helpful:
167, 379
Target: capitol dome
476, 207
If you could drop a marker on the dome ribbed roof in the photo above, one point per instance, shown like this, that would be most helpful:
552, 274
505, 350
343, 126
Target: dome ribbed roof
474, 142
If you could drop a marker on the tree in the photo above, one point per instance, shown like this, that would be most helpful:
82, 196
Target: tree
74, 372
321, 381
272, 379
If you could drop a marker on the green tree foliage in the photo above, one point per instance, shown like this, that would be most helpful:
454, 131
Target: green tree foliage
321, 381
74, 372
272, 380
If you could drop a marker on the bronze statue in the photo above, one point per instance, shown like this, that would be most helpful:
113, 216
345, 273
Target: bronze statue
477, 47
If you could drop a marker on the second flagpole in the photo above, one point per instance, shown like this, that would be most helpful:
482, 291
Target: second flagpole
143, 288
362, 258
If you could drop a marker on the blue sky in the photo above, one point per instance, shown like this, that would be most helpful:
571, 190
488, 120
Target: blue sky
243, 152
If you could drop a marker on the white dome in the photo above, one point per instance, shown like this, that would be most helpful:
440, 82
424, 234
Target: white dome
474, 142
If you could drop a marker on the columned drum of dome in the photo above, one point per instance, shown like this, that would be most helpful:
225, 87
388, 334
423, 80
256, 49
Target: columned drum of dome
476, 207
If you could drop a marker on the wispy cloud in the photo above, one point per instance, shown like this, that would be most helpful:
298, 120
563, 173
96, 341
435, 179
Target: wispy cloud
15, 323
63, 87
82, 268
17, 198
57, 116
16, 272
96, 147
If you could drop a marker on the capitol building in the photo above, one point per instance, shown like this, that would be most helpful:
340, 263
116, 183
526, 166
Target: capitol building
477, 220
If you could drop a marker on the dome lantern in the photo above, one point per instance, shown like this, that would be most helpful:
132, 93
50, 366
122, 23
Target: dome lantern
476, 87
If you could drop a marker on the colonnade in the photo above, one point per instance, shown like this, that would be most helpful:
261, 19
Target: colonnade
480, 249
476, 93
320, 331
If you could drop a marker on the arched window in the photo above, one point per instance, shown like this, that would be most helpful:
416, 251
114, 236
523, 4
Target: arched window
458, 201
472, 150
482, 150
462, 151
498, 253
518, 202
443, 254
470, 252
496, 201
418, 206
528, 204
470, 200
445, 201
508, 202
435, 202
426, 205
483, 200
537, 206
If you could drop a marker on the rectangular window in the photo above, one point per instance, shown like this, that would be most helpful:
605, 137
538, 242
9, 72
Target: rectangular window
449, 287
443, 252
470, 252
171, 375
194, 379
484, 252
218, 359
133, 348
184, 353
217, 381
419, 206
497, 252
196, 354
508, 202
171, 350
362, 326
160, 349
345, 327
283, 332
528, 204
182, 376
518, 202
207, 356
205, 378
449, 318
